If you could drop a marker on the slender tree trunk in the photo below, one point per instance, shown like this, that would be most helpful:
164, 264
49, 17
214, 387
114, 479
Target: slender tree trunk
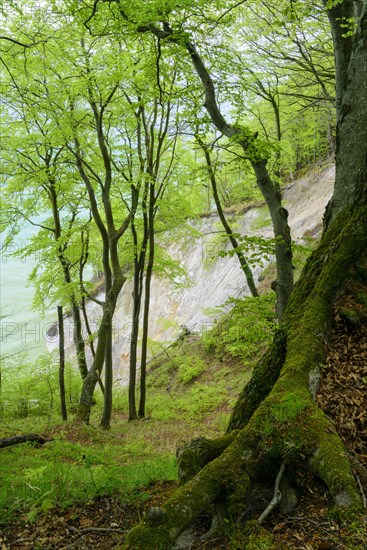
235, 245
95, 371
148, 280
60, 317
137, 297
65, 265
78, 339
107, 396
108, 361
283, 252
139, 265
283, 242
90, 336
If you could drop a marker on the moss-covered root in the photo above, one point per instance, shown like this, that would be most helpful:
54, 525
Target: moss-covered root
331, 464
193, 456
162, 526
265, 375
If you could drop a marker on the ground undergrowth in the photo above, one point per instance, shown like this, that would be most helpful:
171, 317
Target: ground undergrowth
86, 488
192, 387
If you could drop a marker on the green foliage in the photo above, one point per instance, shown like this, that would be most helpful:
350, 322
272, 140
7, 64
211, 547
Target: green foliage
31, 390
63, 473
246, 330
189, 369
256, 249
202, 400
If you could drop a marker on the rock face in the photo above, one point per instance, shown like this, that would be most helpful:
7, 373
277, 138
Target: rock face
211, 279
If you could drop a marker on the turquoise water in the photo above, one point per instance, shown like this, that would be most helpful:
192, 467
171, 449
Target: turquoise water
22, 330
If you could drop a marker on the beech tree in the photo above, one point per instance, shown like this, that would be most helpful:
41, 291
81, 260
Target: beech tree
231, 236
36, 185
265, 433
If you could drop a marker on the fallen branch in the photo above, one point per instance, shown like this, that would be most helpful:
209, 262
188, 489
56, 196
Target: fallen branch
16, 439
98, 530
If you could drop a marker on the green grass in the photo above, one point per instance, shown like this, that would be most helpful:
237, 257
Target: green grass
192, 388
33, 480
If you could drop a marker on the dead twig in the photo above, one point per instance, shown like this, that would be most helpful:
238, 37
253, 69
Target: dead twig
97, 530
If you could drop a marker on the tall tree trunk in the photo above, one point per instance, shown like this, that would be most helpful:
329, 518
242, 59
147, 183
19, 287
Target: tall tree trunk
351, 134
139, 266
60, 318
235, 245
65, 265
269, 189
90, 336
277, 415
148, 280
78, 339
95, 371
284, 283
107, 395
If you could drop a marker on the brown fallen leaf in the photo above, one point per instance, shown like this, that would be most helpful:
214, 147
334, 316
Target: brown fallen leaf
279, 526
85, 522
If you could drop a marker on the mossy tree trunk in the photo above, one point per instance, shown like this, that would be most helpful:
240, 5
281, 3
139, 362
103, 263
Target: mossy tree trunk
276, 419
276, 414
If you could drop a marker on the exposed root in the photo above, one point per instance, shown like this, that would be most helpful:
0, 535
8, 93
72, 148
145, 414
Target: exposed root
192, 456
276, 498
277, 415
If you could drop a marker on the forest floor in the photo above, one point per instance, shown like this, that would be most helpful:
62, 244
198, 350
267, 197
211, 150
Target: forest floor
102, 522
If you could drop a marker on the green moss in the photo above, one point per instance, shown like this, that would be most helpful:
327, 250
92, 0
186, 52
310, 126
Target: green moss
252, 537
193, 456
289, 407
330, 461
142, 537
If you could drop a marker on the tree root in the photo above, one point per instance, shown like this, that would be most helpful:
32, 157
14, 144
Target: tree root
192, 456
276, 498
278, 419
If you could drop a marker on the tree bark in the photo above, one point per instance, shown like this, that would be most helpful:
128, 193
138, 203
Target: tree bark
60, 317
286, 421
107, 395
235, 245
351, 134
16, 439
90, 381
148, 281
139, 266
269, 189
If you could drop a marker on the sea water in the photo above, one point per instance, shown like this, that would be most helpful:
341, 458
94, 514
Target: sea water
22, 329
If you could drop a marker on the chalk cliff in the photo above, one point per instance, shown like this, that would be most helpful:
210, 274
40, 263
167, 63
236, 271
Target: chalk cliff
211, 279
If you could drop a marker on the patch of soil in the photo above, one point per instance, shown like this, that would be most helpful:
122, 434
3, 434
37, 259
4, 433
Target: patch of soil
100, 524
